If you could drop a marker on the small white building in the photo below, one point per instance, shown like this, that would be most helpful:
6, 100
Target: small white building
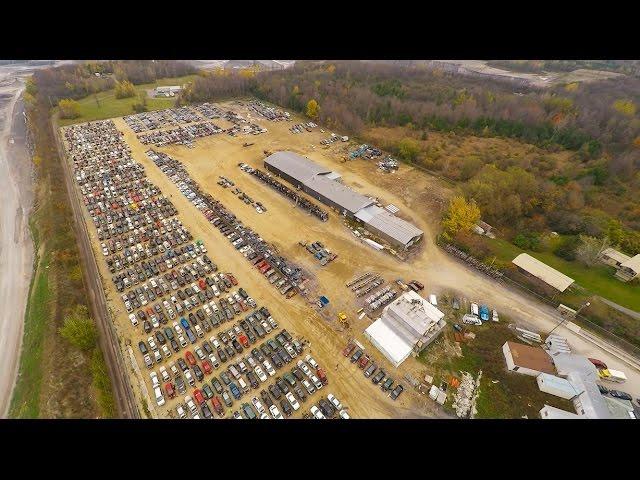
406, 327
527, 360
627, 267
557, 386
167, 91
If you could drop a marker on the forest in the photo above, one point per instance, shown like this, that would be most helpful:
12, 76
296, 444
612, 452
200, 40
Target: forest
580, 172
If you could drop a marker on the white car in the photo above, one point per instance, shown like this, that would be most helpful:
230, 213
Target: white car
182, 341
344, 415
191, 405
265, 416
258, 405
310, 360
177, 328
304, 368
292, 400
155, 381
152, 343
159, 396
214, 341
316, 381
180, 411
251, 361
260, 373
275, 413
189, 377
269, 368
174, 369
199, 331
134, 320
165, 351
200, 353
157, 356
164, 373
154, 321
336, 403
315, 411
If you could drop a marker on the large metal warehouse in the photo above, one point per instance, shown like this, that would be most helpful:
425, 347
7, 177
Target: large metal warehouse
324, 185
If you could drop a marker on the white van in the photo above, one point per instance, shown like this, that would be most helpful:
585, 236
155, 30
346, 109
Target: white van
474, 309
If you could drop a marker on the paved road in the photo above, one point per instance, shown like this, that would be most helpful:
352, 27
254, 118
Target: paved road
16, 247
123, 393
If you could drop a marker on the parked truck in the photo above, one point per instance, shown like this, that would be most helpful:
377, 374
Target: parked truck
611, 375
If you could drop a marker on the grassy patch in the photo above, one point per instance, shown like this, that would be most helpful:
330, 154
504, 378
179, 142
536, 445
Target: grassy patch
25, 402
106, 105
102, 384
512, 395
598, 280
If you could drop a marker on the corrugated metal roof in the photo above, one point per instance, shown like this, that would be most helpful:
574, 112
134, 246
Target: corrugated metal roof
633, 264
615, 254
295, 166
338, 193
396, 228
544, 272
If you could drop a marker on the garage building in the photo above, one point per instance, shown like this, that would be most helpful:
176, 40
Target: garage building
325, 186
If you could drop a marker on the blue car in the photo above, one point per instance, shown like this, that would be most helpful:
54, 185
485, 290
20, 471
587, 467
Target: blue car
484, 313
235, 391
184, 323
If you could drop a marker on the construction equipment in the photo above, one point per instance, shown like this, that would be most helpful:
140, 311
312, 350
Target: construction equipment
342, 318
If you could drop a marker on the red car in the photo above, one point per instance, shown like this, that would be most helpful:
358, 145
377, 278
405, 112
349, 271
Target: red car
348, 349
202, 284
363, 361
206, 366
232, 278
190, 358
170, 390
197, 394
322, 376
217, 406
600, 365
244, 341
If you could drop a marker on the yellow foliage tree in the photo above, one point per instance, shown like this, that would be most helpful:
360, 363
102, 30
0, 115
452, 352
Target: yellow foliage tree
461, 216
125, 89
313, 109
69, 108
626, 107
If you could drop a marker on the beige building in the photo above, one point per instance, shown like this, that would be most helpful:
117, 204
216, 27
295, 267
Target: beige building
627, 267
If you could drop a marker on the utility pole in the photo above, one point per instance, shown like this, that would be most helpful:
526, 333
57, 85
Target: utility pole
563, 319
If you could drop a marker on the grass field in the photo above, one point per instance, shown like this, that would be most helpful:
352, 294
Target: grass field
25, 402
105, 104
598, 280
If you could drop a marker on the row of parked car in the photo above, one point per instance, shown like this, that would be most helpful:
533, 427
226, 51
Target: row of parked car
371, 370
243, 238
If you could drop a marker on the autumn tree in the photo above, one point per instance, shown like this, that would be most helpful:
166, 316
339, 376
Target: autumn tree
589, 248
408, 149
69, 108
313, 109
79, 329
460, 217
125, 89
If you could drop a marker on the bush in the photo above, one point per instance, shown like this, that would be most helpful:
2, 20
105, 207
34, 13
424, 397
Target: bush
79, 329
125, 89
567, 248
527, 241
69, 108
408, 149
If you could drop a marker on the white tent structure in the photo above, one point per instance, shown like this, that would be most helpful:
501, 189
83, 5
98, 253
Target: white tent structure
406, 326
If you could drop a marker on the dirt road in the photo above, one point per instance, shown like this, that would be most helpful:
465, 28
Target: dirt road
16, 248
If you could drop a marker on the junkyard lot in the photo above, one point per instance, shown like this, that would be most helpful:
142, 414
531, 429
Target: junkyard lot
292, 315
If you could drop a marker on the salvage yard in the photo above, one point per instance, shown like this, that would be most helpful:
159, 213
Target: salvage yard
204, 185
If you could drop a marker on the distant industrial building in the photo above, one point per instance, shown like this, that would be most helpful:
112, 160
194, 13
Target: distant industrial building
167, 91
406, 327
324, 185
627, 268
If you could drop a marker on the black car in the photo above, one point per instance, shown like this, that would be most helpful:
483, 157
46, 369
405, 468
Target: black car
230, 351
300, 393
356, 356
257, 354
207, 347
236, 345
275, 358
326, 408
182, 388
161, 338
182, 364
253, 380
198, 372
225, 378
217, 385
143, 348
620, 395
275, 391
286, 407
298, 374
266, 399
174, 345
222, 355
396, 392
147, 326
282, 385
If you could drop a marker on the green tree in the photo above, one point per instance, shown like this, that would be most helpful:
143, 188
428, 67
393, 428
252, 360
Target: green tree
79, 329
408, 149
313, 109
125, 89
69, 108
460, 217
